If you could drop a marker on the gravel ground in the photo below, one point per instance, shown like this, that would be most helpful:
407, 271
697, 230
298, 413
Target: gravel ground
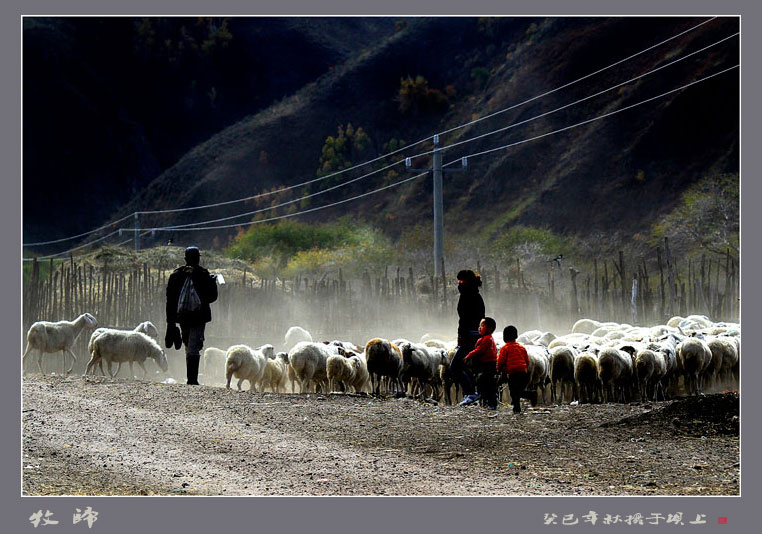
95, 436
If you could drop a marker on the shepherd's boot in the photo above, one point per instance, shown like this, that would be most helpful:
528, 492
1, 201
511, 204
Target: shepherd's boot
192, 364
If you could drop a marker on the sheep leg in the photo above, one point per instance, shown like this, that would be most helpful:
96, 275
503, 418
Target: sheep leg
39, 363
91, 364
73, 361
26, 353
240, 381
132, 373
108, 366
307, 373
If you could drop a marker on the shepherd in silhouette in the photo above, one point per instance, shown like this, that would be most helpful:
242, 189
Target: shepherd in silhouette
190, 290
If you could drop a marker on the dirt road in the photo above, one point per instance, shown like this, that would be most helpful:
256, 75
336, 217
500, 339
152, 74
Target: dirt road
94, 436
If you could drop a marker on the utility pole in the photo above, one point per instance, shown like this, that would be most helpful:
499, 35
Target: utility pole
437, 171
137, 235
438, 209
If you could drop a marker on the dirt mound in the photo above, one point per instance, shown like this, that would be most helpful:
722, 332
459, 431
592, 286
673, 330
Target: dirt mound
706, 414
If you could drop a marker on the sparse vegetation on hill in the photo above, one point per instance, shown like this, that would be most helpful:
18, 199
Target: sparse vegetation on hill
290, 247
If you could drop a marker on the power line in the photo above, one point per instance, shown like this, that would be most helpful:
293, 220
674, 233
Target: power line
80, 246
286, 216
79, 235
588, 97
187, 225
575, 81
476, 154
260, 195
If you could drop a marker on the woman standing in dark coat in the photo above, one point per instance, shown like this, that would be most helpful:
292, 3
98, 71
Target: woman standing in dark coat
470, 314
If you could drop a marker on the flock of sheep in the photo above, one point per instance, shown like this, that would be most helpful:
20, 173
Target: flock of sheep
595, 362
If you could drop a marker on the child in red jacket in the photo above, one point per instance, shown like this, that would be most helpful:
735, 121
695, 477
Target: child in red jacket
513, 360
484, 357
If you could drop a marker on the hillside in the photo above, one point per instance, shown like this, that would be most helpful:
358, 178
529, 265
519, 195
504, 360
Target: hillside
612, 176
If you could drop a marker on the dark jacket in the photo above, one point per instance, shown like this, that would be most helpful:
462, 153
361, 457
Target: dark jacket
470, 310
206, 287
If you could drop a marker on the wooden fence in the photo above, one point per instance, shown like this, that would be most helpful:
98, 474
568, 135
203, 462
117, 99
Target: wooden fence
255, 311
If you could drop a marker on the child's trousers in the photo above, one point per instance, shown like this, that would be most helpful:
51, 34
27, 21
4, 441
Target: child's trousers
486, 384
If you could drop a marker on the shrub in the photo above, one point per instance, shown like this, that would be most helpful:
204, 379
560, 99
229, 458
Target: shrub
293, 247
338, 152
520, 239
415, 96
480, 75
707, 217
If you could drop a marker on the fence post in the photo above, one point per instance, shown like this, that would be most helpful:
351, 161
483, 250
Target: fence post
444, 287
575, 303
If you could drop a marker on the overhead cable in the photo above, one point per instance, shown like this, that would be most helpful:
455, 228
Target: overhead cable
577, 80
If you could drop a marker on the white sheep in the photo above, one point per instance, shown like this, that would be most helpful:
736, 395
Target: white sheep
244, 363
126, 346
146, 327
650, 369
667, 346
344, 348
214, 365
538, 369
586, 377
585, 326
674, 322
615, 374
360, 379
308, 361
421, 363
267, 351
696, 322
562, 370
443, 338
574, 339
274, 376
545, 339
439, 344
724, 357
448, 382
339, 369
50, 337
528, 337
294, 335
694, 357
731, 364
604, 331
